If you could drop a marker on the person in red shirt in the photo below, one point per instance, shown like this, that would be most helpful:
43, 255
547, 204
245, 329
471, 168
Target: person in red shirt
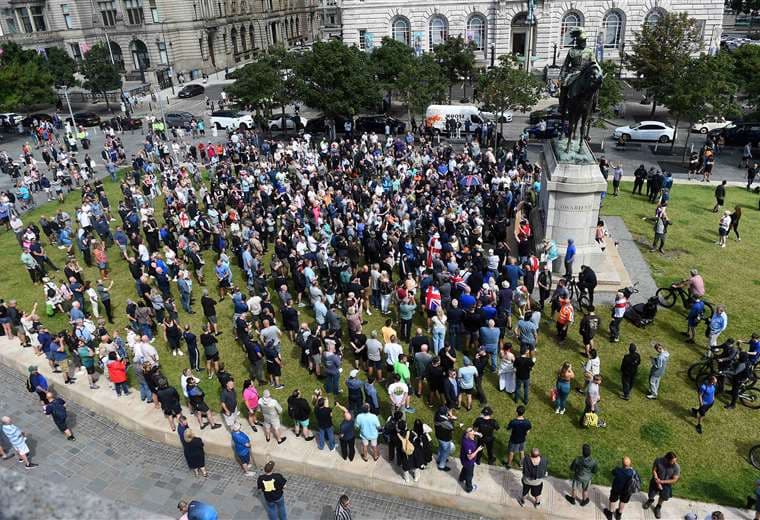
117, 373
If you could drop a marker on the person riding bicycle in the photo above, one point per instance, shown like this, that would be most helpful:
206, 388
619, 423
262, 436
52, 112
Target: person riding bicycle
753, 348
739, 372
694, 283
587, 282
729, 352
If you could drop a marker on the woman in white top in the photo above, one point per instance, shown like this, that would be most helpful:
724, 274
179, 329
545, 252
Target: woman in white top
507, 369
92, 294
439, 329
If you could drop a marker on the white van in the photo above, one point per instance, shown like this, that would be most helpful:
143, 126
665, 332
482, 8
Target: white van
436, 116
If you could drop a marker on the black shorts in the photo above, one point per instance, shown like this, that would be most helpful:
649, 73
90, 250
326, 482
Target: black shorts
90, 370
587, 339
224, 283
665, 493
535, 491
619, 494
377, 365
273, 369
468, 391
212, 357
702, 411
173, 412
61, 425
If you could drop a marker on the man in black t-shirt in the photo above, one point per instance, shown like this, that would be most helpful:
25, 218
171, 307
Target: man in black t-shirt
272, 485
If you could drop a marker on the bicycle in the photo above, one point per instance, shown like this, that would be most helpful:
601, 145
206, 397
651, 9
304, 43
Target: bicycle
668, 296
754, 456
749, 394
578, 293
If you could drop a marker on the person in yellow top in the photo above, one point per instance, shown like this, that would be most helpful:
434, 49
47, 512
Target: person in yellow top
388, 331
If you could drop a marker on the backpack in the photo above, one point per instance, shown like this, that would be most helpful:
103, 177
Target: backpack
633, 485
407, 445
590, 420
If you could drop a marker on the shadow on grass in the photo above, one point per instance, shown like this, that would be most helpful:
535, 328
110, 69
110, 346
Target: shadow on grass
656, 432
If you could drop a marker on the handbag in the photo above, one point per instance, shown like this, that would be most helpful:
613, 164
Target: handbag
554, 394
406, 445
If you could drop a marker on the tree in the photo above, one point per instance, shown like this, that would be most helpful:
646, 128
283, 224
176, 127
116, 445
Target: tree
25, 79
744, 6
611, 92
661, 50
62, 67
457, 59
336, 79
420, 83
746, 63
100, 75
389, 59
507, 87
703, 88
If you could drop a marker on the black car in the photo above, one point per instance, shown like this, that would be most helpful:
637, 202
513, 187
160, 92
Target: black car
377, 124
191, 90
316, 125
179, 119
29, 120
547, 114
739, 134
85, 119
123, 123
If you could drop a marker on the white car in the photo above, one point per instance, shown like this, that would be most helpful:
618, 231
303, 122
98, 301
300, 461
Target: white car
645, 131
710, 123
506, 117
276, 123
231, 119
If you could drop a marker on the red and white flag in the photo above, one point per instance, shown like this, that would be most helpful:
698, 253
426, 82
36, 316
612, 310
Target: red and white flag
434, 249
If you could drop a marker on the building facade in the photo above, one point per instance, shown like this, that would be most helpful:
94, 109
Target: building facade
155, 40
499, 27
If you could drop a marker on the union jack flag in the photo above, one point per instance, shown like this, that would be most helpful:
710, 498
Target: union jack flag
432, 298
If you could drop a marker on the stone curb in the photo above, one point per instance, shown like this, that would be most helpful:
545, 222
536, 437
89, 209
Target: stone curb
494, 498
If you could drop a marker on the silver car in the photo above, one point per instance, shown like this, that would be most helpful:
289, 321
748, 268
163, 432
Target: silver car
179, 119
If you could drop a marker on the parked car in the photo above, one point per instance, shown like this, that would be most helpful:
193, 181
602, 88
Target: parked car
191, 90
85, 119
9, 119
316, 125
711, 123
645, 131
377, 123
231, 119
291, 122
739, 134
179, 119
29, 120
547, 114
124, 123
505, 117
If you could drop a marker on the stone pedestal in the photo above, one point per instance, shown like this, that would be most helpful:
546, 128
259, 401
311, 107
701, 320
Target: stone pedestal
568, 207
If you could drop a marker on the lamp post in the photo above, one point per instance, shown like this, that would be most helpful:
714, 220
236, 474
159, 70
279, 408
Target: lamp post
493, 54
68, 104
529, 45
168, 59
554, 56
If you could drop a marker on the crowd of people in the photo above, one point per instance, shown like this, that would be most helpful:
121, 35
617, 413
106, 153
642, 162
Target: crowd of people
438, 242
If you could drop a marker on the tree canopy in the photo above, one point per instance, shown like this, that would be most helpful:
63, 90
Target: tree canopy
508, 86
662, 50
62, 67
457, 59
25, 79
420, 82
100, 75
389, 60
611, 92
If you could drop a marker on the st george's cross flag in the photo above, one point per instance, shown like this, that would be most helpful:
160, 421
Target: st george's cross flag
434, 248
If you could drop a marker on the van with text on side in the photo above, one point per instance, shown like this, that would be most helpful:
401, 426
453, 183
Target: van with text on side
437, 115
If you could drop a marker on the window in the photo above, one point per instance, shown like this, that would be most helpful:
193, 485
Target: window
38, 17
476, 31
76, 52
108, 12
163, 55
362, 41
400, 30
10, 21
154, 11
135, 14
700, 24
653, 17
23, 16
67, 16
200, 46
439, 31
612, 27
569, 21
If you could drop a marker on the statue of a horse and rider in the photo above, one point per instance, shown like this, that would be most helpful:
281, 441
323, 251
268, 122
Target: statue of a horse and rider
581, 78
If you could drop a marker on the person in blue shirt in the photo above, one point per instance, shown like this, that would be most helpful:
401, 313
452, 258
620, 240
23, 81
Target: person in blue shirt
241, 443
753, 348
513, 272
569, 258
197, 510
706, 394
56, 408
696, 311
38, 383
466, 300
621, 490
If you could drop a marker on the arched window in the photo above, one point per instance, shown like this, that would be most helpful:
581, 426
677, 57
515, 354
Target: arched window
243, 43
243, 7
439, 30
400, 30
252, 36
653, 17
233, 36
569, 21
612, 27
476, 31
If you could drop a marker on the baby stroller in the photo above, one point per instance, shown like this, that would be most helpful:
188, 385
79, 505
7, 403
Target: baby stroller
642, 314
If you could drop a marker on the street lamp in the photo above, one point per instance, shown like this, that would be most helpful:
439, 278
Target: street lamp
554, 56
166, 50
493, 53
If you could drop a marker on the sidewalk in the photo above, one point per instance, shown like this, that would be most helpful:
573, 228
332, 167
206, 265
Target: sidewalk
494, 498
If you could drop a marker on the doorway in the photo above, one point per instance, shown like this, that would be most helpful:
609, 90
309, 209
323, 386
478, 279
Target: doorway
518, 43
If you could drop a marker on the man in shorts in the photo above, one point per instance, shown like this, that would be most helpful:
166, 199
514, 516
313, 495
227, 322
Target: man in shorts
369, 430
56, 408
374, 356
623, 479
17, 439
665, 473
583, 469
706, 394
518, 428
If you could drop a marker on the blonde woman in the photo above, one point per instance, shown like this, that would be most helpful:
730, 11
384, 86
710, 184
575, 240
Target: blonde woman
194, 453
565, 378
439, 329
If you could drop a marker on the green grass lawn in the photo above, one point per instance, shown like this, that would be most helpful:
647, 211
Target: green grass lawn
714, 465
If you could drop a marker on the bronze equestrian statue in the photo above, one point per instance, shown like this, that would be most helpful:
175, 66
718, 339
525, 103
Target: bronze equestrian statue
580, 80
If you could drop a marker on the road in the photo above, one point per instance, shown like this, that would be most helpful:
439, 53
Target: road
120, 465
